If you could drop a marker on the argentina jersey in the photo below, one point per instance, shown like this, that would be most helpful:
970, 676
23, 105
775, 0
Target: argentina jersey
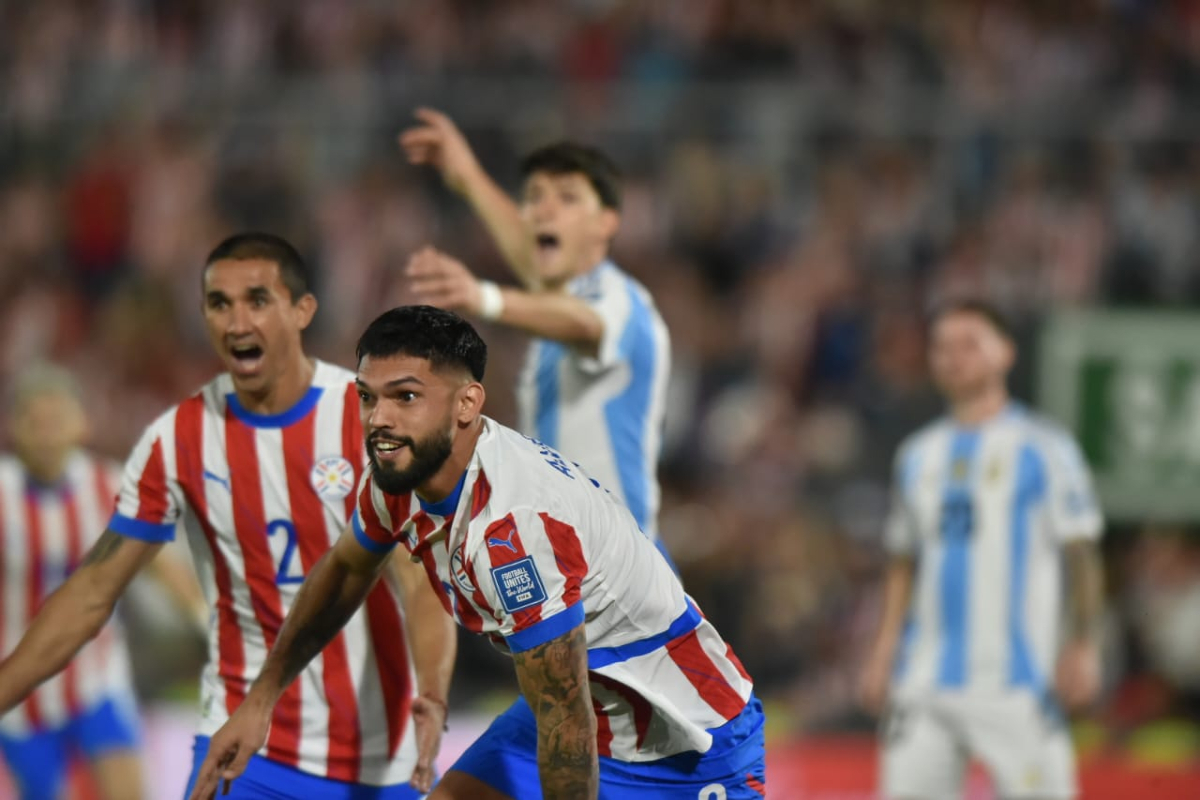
606, 412
985, 511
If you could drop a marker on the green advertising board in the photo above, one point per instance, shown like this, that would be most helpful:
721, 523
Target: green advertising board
1128, 385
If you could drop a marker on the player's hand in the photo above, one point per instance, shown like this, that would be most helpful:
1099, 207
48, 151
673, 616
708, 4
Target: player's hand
1077, 675
230, 749
429, 717
435, 279
438, 142
873, 685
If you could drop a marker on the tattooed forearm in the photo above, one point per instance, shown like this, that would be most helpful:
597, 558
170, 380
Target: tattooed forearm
1084, 589
105, 548
554, 680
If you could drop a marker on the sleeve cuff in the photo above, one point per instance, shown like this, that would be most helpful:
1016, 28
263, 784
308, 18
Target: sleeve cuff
139, 529
547, 629
366, 541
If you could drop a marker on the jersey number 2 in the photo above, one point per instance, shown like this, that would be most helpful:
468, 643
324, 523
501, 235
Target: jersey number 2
284, 573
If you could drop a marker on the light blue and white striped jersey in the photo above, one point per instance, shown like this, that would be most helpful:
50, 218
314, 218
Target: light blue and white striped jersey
606, 412
986, 511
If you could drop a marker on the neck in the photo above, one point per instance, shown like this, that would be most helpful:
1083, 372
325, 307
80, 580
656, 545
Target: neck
293, 383
46, 471
440, 486
981, 407
586, 265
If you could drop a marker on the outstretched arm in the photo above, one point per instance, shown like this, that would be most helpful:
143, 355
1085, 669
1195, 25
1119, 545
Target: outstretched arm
73, 614
438, 142
331, 593
554, 680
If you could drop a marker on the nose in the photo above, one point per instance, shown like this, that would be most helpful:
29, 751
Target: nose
239, 319
378, 418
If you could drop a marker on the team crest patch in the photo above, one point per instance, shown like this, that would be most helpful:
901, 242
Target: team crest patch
519, 585
333, 477
458, 569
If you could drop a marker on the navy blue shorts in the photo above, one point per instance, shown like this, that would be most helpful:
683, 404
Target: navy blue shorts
266, 780
38, 762
734, 768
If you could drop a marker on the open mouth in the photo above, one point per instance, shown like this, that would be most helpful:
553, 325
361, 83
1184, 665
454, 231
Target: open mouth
246, 357
386, 449
547, 243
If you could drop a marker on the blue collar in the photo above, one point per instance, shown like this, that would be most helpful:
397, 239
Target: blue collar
447, 505
280, 420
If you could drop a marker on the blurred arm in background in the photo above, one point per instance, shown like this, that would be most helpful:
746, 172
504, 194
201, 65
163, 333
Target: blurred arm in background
897, 594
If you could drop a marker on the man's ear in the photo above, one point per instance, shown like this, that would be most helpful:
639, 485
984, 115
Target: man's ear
470, 403
304, 308
610, 219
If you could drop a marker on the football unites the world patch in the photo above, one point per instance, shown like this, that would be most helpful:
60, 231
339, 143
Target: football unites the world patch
333, 477
519, 585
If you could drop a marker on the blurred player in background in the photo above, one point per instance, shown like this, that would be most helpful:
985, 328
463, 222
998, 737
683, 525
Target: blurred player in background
989, 504
55, 499
627, 691
259, 470
595, 379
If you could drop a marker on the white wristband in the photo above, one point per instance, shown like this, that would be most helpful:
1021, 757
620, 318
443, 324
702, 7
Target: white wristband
491, 301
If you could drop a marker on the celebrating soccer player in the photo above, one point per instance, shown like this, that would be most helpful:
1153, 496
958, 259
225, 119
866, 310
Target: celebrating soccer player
989, 503
626, 688
258, 469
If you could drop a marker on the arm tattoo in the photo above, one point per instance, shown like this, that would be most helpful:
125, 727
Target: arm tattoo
105, 548
312, 638
554, 680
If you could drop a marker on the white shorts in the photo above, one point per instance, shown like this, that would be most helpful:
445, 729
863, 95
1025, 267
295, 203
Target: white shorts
1022, 742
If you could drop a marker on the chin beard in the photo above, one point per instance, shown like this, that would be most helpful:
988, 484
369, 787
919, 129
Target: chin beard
428, 456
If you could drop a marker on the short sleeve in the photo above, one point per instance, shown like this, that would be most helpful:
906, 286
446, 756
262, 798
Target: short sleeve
150, 501
900, 533
530, 568
1073, 508
372, 521
609, 297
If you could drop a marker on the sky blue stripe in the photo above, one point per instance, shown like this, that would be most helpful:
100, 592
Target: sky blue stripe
280, 420
626, 413
549, 356
547, 629
1029, 490
957, 528
906, 480
142, 530
688, 621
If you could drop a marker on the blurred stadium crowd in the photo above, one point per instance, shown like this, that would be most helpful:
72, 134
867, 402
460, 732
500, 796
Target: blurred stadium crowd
803, 180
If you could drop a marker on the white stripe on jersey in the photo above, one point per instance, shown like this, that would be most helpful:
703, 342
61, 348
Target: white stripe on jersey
986, 511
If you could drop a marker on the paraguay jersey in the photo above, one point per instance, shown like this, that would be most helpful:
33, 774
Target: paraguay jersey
986, 511
606, 412
45, 533
527, 548
260, 499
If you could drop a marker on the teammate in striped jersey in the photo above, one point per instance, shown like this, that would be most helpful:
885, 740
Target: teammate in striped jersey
990, 502
625, 685
55, 499
258, 469
595, 378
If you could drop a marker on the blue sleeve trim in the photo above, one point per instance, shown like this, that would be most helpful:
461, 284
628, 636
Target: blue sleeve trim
366, 541
143, 531
547, 629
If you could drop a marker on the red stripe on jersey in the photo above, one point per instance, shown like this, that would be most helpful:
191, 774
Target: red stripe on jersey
504, 547
352, 440
478, 596
391, 659
568, 552
373, 525
74, 555
688, 654
755, 784
464, 612
480, 494
308, 515
604, 734
643, 712
429, 562
106, 491
33, 585
152, 487
189, 462
250, 524
737, 663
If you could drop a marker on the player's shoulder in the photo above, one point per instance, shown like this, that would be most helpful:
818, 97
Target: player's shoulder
931, 434
332, 376
1041, 430
517, 470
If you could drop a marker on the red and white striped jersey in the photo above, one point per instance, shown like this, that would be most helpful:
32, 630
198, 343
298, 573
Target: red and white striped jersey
45, 532
527, 548
261, 499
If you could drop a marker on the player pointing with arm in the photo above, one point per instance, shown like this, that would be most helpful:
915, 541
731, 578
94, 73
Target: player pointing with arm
988, 503
623, 682
258, 470
595, 378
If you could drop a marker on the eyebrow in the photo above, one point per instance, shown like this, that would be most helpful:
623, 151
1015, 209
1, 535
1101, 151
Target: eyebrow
407, 379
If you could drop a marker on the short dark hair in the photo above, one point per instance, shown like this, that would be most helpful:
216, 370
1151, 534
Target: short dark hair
269, 247
441, 337
988, 311
563, 158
